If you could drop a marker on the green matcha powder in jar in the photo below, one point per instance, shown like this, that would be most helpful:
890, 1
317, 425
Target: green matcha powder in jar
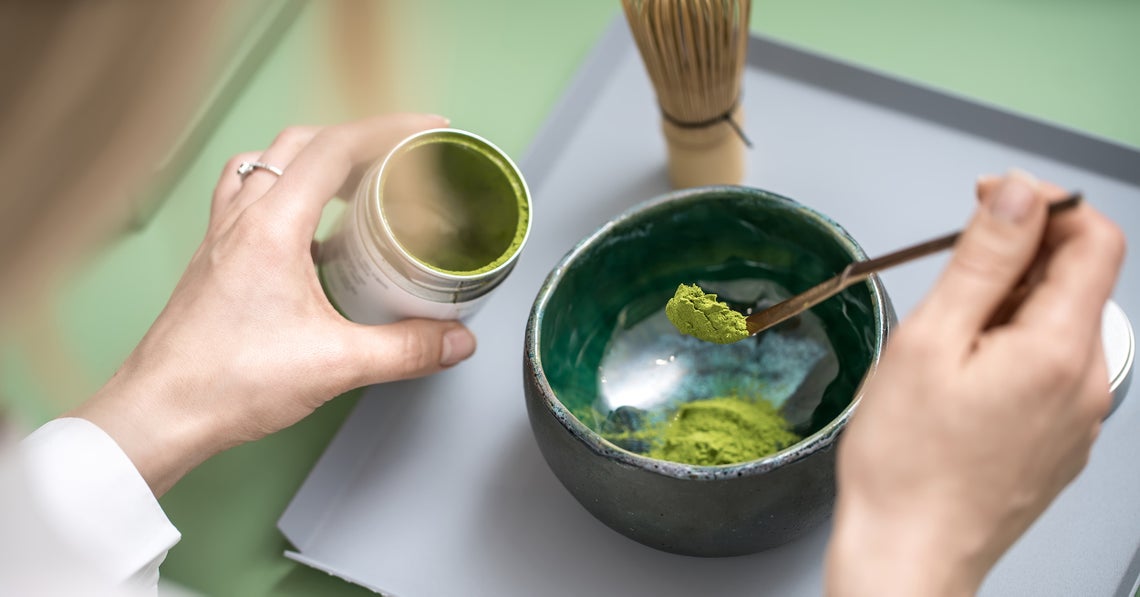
433, 228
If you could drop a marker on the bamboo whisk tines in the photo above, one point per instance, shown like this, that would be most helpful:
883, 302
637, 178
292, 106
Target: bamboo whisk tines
694, 52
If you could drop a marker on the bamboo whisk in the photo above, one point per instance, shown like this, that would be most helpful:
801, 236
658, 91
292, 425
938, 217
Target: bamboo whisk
694, 51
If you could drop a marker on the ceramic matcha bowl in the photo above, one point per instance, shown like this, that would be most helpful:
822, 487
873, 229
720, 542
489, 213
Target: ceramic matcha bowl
602, 365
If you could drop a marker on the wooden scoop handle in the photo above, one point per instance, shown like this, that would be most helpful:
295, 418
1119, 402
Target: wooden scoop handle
861, 270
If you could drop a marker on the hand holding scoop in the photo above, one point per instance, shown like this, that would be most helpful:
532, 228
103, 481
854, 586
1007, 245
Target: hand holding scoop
700, 315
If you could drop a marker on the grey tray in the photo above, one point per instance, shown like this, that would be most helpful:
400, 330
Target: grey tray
436, 487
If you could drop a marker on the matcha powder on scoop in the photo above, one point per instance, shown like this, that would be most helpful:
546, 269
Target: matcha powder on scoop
699, 314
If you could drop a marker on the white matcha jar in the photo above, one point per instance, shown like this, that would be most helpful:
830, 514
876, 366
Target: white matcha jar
433, 228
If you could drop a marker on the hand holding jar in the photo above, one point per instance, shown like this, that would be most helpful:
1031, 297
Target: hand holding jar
248, 343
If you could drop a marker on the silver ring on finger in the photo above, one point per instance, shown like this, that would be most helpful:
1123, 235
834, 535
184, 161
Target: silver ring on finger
245, 168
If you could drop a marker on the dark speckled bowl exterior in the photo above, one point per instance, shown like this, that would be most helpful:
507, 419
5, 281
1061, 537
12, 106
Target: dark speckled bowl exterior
687, 509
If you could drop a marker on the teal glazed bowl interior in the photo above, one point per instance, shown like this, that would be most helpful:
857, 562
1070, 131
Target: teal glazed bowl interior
599, 356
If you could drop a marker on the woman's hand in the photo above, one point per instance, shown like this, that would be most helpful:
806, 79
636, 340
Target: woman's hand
972, 425
248, 343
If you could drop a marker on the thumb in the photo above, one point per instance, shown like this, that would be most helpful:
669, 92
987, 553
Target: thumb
411, 348
990, 258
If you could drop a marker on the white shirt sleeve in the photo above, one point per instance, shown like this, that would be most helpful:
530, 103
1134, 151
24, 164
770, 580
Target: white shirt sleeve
91, 495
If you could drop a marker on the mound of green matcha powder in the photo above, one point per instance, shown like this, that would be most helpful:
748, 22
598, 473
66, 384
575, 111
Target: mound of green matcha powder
716, 431
699, 314
723, 431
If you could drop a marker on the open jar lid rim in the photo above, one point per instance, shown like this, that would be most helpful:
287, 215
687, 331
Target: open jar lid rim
1119, 350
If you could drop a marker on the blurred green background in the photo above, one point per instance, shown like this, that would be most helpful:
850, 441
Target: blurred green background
494, 67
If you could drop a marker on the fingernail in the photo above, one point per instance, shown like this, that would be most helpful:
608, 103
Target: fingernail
1014, 201
1023, 175
984, 186
446, 120
458, 344
987, 179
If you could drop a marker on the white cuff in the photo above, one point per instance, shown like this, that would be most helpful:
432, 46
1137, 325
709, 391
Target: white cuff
90, 493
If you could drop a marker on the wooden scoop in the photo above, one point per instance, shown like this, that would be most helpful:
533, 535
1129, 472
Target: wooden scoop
861, 270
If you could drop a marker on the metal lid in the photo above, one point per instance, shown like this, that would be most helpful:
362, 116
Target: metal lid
1119, 351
